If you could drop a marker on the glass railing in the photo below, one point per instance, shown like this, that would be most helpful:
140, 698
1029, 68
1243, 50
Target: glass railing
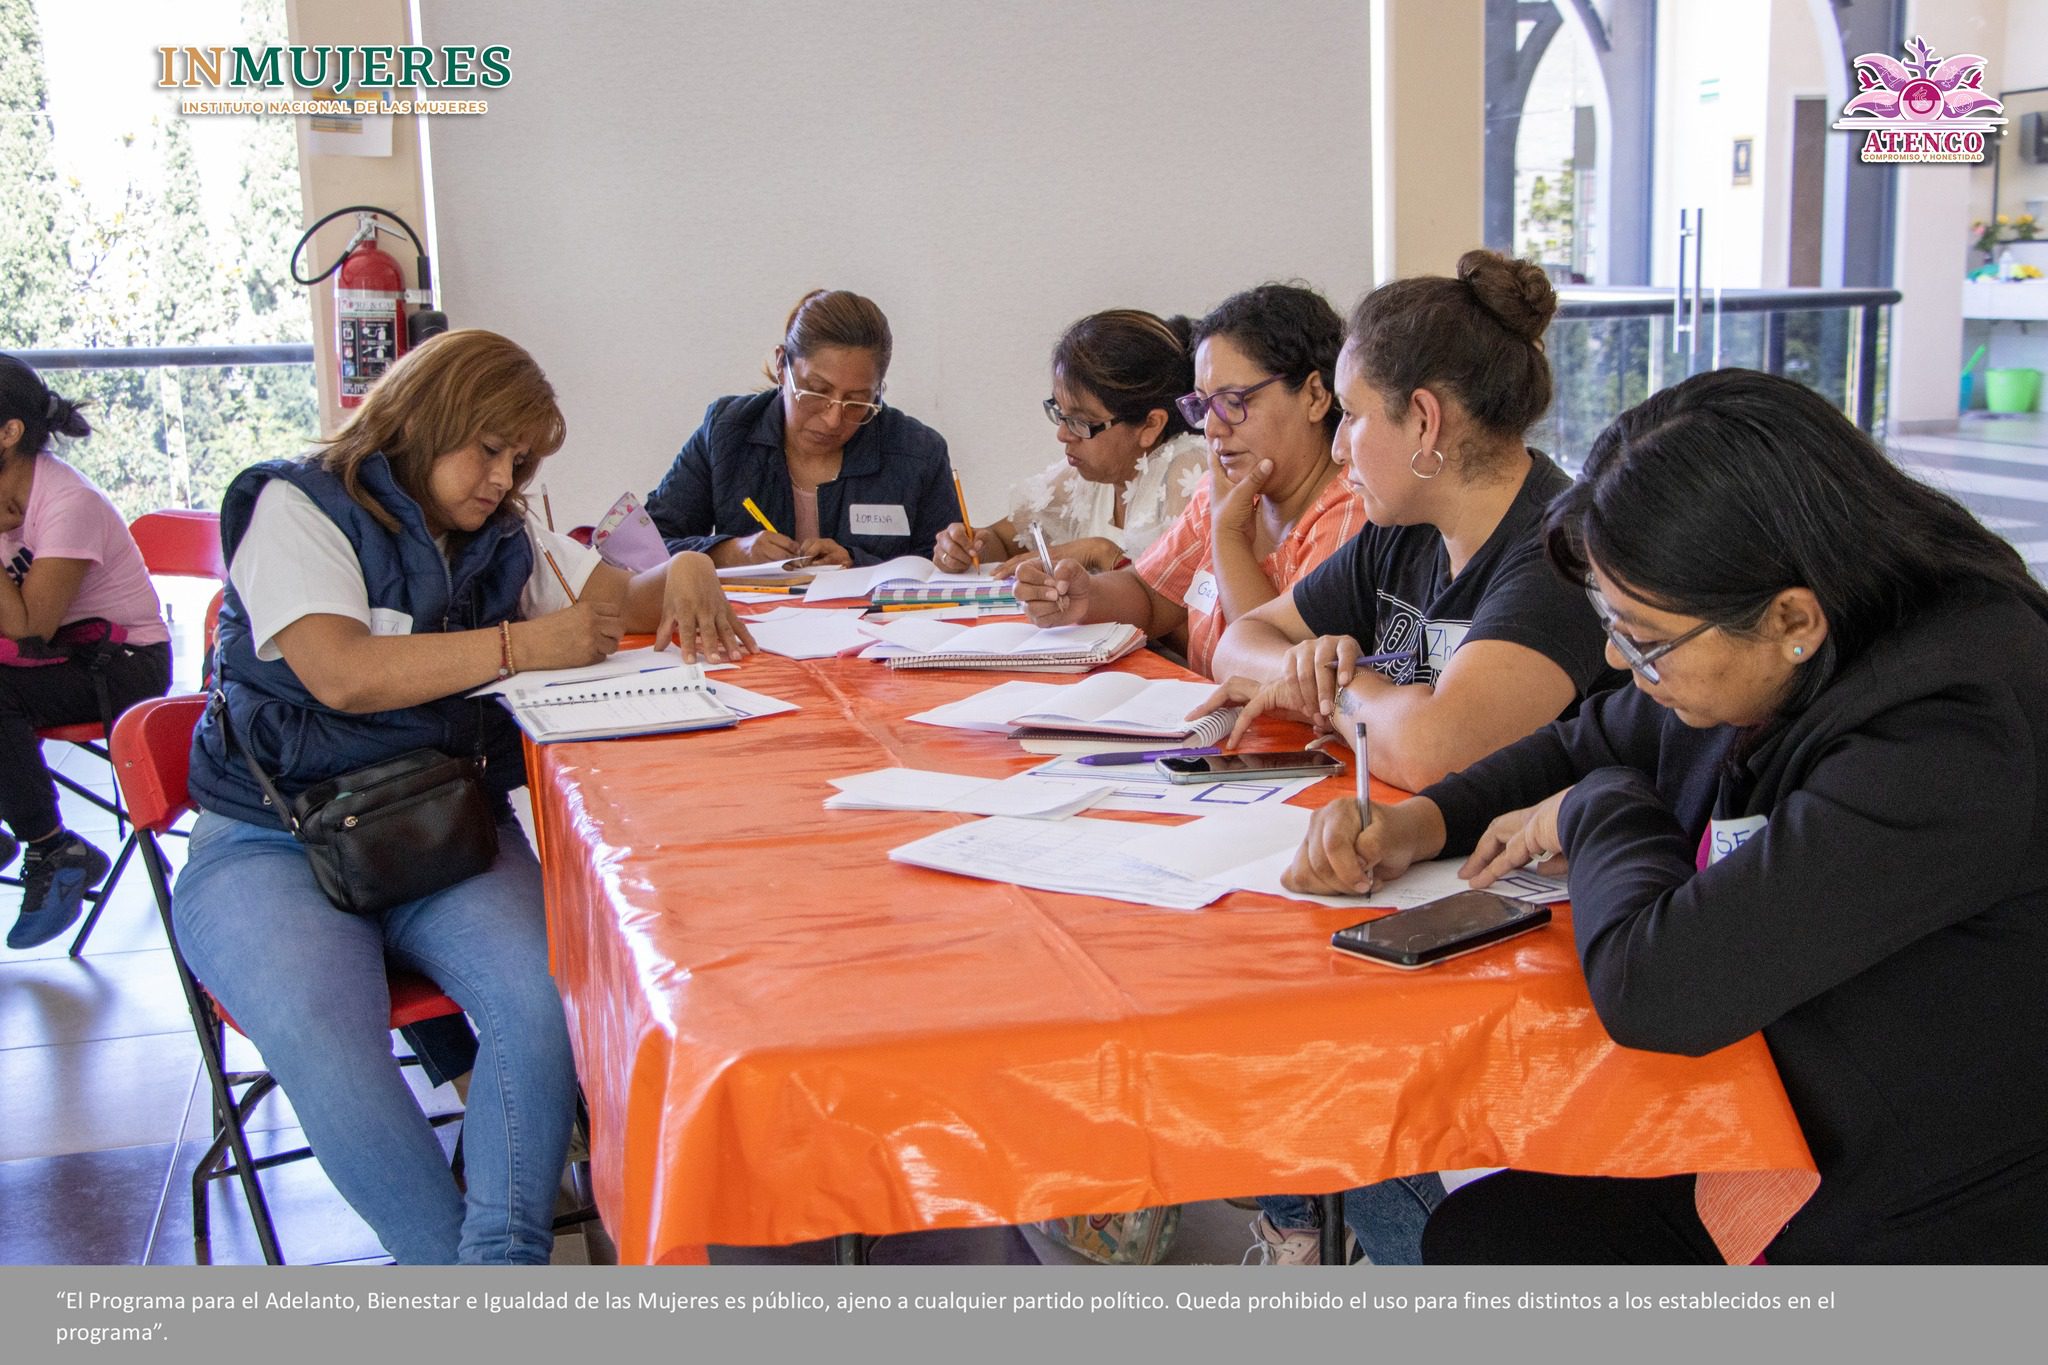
172, 424
1612, 348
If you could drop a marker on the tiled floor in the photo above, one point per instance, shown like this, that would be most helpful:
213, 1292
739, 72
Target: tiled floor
1998, 467
106, 1113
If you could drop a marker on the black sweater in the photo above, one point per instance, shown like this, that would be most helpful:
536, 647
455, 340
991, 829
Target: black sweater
1887, 930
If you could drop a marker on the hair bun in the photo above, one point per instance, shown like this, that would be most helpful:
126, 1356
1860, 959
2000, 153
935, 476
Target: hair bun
66, 419
1183, 329
1517, 293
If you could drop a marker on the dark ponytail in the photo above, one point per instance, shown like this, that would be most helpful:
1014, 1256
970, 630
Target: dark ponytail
1712, 497
42, 411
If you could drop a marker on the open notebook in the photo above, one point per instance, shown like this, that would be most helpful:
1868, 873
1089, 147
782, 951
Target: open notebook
1011, 645
643, 704
1107, 704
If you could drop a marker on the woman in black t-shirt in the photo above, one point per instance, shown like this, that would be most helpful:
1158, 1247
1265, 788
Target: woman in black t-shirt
1440, 628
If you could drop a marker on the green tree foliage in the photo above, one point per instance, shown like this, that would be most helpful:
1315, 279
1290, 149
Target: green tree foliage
148, 272
34, 292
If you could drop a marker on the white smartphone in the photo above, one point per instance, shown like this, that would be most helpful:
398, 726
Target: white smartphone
1247, 767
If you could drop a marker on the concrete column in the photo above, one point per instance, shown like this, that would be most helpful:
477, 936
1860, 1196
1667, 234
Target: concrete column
1428, 135
327, 183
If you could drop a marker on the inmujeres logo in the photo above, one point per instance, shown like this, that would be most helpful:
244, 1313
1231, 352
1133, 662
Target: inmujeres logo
1921, 109
379, 70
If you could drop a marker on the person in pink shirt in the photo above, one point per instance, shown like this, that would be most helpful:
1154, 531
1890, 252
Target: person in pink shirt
82, 638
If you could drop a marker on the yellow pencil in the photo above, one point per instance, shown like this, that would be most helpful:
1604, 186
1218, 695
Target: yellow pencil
755, 513
560, 577
966, 522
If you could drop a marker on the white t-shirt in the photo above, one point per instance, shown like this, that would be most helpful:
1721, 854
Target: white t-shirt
294, 561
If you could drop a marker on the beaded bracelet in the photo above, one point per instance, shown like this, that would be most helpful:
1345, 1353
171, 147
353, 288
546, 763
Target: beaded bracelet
505, 665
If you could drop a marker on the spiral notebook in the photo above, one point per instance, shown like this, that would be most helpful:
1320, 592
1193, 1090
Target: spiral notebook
610, 708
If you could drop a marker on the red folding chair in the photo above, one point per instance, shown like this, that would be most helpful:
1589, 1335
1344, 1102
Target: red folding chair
182, 542
152, 754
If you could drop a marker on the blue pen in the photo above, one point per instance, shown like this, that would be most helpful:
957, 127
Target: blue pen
1118, 760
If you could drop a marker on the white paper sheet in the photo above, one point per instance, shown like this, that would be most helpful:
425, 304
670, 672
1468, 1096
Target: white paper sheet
1082, 857
809, 632
921, 789
1140, 786
1250, 850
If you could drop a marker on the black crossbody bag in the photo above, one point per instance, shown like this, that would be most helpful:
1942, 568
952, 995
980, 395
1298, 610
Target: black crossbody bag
391, 832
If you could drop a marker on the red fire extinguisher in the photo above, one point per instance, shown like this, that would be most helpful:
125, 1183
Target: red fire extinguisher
369, 316
371, 326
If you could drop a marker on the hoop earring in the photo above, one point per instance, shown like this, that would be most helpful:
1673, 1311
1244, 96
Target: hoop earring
1432, 473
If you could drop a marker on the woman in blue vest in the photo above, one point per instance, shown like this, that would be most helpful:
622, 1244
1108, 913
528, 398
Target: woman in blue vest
838, 475
372, 586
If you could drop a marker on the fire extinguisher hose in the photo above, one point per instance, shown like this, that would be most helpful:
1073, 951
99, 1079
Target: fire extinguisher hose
426, 273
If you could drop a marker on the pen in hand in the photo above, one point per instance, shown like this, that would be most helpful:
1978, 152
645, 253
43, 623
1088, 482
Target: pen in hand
1044, 551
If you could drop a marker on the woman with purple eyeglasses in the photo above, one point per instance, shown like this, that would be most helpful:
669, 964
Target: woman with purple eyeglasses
1274, 507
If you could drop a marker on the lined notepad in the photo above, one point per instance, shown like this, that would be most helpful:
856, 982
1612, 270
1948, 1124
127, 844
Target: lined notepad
652, 704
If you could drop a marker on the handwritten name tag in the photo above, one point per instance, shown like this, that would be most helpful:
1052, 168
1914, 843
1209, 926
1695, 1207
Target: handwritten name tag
385, 621
1202, 592
1725, 836
878, 519
1442, 639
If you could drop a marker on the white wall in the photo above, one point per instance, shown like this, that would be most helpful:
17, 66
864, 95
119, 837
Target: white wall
657, 185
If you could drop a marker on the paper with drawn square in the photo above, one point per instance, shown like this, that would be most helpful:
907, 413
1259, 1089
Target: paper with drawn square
1140, 786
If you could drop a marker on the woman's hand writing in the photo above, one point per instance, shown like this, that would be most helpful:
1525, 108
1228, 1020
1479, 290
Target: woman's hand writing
1059, 598
569, 638
1338, 858
955, 553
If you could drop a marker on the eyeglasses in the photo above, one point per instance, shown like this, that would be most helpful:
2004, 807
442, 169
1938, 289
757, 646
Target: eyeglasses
1229, 404
1080, 428
1641, 657
811, 404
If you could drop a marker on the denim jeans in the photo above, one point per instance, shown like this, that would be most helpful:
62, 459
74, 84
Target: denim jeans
1387, 1218
307, 983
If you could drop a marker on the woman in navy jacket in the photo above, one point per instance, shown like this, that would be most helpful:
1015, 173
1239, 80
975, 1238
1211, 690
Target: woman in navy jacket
1822, 813
839, 475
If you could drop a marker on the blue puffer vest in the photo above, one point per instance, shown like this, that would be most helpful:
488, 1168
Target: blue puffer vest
301, 742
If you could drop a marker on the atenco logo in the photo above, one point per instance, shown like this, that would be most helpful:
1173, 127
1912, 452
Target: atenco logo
1921, 109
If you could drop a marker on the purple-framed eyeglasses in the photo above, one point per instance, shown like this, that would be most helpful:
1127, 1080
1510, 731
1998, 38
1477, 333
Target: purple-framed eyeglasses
1231, 405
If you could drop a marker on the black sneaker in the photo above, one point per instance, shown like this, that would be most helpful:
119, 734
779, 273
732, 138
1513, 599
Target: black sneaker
9, 846
54, 884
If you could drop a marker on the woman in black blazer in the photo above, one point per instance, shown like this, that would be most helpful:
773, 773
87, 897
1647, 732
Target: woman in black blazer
837, 473
1822, 813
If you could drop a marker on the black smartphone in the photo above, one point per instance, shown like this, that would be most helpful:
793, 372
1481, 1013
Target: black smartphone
1441, 929
1245, 767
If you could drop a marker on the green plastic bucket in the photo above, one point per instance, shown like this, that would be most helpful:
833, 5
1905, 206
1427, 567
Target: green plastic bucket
2012, 390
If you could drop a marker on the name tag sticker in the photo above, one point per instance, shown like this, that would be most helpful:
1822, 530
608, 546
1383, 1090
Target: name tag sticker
1442, 639
878, 519
1725, 836
385, 621
1203, 593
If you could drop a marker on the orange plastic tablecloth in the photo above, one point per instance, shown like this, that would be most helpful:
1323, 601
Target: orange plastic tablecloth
784, 1036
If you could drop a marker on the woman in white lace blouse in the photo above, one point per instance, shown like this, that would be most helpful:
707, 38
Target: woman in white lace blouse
1131, 464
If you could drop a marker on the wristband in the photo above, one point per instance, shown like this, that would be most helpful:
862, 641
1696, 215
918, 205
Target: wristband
506, 668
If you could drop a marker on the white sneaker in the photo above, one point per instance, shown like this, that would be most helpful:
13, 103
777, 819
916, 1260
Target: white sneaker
1294, 1246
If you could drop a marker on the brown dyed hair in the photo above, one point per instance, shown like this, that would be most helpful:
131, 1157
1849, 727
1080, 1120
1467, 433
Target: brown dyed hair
1133, 361
1477, 338
835, 317
456, 388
